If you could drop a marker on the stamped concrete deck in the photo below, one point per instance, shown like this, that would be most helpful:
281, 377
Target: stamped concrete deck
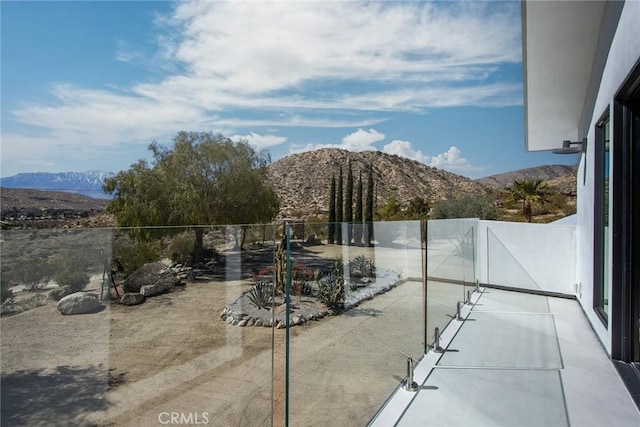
516, 359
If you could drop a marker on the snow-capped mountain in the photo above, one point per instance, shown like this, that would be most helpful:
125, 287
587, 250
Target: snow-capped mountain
88, 183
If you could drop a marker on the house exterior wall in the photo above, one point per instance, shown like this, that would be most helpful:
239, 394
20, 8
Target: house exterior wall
623, 56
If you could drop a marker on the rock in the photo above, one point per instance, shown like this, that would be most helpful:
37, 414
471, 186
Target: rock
243, 322
150, 274
229, 319
258, 322
79, 303
131, 298
250, 322
150, 290
295, 320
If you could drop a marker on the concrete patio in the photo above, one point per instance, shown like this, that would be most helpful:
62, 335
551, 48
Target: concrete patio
516, 359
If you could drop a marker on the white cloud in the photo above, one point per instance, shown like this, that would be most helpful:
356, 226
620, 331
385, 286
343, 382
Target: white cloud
405, 149
260, 141
451, 160
329, 64
362, 140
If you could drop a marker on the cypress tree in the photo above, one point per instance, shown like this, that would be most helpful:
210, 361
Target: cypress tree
368, 215
357, 219
339, 217
332, 211
348, 205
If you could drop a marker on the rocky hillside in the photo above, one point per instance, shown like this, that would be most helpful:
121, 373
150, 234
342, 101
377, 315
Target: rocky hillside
566, 184
303, 180
545, 173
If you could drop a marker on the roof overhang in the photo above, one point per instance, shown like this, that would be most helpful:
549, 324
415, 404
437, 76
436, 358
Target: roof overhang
564, 54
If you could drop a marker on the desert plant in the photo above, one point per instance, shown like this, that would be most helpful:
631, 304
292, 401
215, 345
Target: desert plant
130, 254
330, 290
75, 280
35, 273
181, 248
361, 266
261, 295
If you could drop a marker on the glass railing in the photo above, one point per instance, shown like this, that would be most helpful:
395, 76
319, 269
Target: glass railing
251, 328
158, 336
355, 317
451, 255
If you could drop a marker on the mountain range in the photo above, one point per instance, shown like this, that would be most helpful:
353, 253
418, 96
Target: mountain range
303, 180
86, 183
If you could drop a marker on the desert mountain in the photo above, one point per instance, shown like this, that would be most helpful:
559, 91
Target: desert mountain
303, 180
545, 173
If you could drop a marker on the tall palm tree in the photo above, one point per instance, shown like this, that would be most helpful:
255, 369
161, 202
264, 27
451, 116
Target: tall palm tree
529, 192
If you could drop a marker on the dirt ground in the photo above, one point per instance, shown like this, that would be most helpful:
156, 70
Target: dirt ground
173, 357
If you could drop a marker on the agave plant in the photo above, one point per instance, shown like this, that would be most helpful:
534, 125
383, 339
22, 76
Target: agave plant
261, 295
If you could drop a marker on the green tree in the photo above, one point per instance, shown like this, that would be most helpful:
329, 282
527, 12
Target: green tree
204, 179
368, 215
357, 219
469, 206
529, 192
332, 211
339, 211
418, 208
392, 210
348, 205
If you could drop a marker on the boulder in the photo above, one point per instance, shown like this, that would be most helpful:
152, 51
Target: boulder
131, 298
79, 303
155, 273
151, 290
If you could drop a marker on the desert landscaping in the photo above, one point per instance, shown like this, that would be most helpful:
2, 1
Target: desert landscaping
137, 365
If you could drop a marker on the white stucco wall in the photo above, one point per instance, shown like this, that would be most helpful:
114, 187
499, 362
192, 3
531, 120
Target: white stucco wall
543, 252
623, 55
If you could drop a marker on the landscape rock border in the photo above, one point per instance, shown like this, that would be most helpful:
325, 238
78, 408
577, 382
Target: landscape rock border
241, 312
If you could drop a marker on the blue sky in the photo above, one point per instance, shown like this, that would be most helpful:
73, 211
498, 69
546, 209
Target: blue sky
88, 85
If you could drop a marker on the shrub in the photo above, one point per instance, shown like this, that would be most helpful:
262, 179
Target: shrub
34, 273
261, 295
361, 266
181, 248
129, 254
476, 206
73, 279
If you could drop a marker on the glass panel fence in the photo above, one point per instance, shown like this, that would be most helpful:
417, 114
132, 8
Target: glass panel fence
503, 268
355, 317
173, 326
450, 269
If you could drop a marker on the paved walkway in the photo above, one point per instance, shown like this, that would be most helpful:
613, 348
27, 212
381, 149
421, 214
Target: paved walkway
517, 359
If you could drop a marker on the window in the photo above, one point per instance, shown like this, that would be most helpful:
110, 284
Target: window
602, 218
